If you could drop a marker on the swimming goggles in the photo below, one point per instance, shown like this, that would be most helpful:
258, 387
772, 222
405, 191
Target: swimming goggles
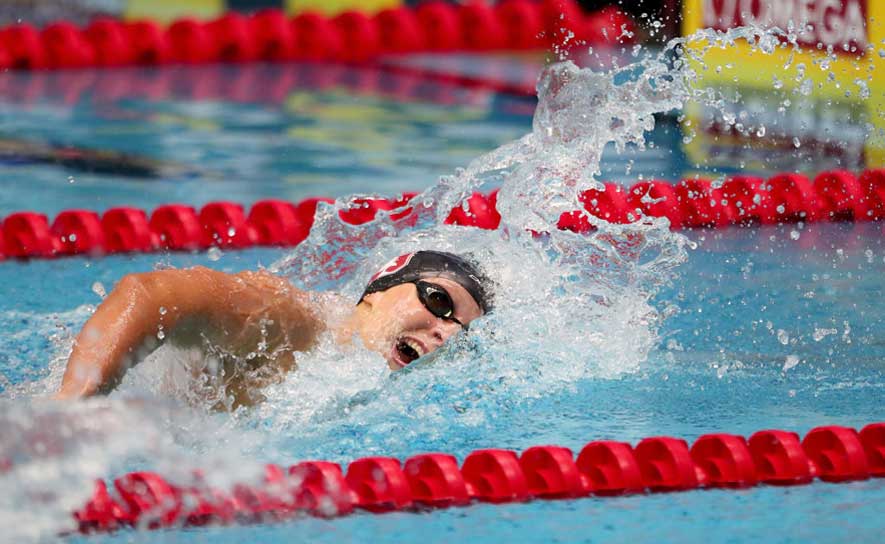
437, 301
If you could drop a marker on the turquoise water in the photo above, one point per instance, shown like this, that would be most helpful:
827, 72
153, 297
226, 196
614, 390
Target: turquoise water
776, 327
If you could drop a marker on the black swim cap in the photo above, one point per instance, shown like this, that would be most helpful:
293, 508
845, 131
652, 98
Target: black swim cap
433, 264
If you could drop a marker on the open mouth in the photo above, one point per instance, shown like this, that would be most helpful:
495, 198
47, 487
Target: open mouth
407, 351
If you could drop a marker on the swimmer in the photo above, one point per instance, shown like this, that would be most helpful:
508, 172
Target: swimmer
94, 161
260, 321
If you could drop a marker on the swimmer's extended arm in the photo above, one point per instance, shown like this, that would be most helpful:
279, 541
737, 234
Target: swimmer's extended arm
143, 304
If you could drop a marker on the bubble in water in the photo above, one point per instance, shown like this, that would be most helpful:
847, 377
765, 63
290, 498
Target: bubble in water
790, 362
783, 337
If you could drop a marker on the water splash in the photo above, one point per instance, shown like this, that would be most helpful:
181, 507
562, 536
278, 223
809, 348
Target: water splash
51, 453
569, 307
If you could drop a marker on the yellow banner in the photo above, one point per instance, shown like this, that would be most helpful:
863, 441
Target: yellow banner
166, 11
334, 7
839, 67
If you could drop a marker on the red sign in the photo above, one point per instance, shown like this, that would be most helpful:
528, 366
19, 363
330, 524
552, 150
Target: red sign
837, 23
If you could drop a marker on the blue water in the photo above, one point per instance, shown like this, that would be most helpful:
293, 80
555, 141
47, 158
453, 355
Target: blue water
746, 302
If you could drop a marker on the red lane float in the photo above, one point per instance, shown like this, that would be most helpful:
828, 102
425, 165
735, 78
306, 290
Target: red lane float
320, 489
352, 36
691, 203
780, 459
724, 460
873, 439
495, 476
609, 468
434, 480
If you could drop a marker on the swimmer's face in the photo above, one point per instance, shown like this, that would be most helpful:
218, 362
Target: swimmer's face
396, 324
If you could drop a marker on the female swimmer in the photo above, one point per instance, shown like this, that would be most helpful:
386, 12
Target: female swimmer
409, 309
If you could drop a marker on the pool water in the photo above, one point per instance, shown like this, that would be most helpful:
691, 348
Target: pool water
769, 327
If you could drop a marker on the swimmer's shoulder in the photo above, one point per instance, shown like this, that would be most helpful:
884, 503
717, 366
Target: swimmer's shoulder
275, 296
243, 308
259, 282
241, 295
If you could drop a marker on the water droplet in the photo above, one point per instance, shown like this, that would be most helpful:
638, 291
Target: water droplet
794, 234
806, 88
162, 310
72, 237
796, 143
214, 253
790, 362
98, 289
863, 88
160, 334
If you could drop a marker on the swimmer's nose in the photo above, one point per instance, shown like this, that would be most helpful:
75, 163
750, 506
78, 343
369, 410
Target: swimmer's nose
442, 331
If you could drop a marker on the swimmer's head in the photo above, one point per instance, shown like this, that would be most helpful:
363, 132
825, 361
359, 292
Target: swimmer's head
418, 301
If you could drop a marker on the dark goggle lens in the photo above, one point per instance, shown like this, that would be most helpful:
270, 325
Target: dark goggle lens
436, 300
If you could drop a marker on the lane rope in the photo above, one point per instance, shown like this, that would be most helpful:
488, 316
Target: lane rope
354, 37
434, 480
741, 200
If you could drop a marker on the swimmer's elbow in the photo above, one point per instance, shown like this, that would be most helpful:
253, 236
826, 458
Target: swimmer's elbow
143, 288
130, 286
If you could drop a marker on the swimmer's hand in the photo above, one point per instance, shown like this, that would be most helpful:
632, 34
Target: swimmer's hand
153, 303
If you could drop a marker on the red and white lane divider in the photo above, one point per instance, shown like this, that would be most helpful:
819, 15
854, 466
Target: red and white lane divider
434, 480
270, 35
691, 203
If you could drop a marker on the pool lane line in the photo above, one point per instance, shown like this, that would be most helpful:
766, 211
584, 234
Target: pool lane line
271, 36
738, 200
434, 480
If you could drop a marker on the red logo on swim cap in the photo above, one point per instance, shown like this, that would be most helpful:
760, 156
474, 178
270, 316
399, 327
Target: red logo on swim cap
393, 266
